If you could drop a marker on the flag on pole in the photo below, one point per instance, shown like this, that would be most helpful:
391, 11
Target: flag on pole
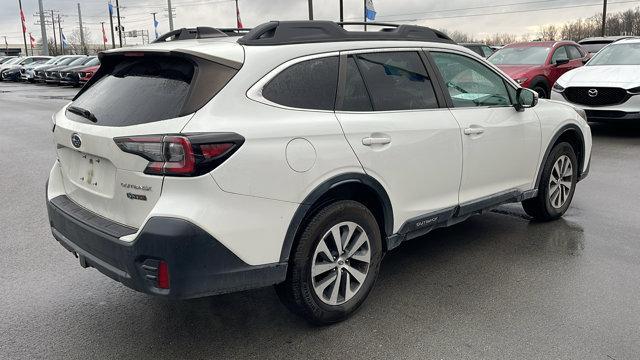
238, 20
155, 27
64, 40
110, 9
24, 22
33, 40
369, 10
104, 35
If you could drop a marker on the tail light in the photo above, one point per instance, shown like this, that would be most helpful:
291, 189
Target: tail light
182, 155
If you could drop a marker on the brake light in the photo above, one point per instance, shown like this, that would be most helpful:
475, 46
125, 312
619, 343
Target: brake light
181, 155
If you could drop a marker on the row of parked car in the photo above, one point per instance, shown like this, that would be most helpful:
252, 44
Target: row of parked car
599, 75
74, 70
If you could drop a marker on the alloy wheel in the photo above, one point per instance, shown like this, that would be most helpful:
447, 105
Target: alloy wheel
560, 181
340, 263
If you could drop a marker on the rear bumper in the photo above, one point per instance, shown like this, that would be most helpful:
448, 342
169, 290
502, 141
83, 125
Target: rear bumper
199, 265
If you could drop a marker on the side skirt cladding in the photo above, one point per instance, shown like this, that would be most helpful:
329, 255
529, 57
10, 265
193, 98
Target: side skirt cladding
421, 225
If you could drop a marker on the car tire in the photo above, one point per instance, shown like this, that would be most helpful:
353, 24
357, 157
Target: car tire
541, 90
557, 185
312, 276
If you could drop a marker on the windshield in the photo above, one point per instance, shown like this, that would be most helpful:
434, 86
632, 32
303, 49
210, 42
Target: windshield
534, 55
51, 61
67, 61
13, 61
617, 54
78, 61
93, 62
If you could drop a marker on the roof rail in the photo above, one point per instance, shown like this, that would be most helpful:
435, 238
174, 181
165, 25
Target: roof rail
314, 31
192, 33
235, 31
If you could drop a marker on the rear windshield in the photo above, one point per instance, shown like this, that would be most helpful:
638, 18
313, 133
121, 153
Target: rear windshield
594, 47
138, 91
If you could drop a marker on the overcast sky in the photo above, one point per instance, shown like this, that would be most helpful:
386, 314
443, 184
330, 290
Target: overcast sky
475, 17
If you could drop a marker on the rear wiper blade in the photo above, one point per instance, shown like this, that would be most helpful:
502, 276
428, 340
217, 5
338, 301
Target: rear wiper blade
82, 112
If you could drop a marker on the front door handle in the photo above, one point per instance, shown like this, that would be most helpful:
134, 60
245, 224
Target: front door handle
473, 130
368, 141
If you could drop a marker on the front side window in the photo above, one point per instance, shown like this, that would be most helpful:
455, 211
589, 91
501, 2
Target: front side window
560, 54
309, 84
396, 81
471, 83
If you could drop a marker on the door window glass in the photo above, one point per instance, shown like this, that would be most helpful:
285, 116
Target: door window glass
355, 97
574, 53
560, 54
397, 81
471, 83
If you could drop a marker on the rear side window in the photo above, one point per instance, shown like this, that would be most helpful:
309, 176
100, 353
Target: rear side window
397, 81
139, 90
309, 84
355, 97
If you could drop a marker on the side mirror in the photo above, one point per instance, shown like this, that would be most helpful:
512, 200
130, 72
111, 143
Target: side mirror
561, 62
525, 98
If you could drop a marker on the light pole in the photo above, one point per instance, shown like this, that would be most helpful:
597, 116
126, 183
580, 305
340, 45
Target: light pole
604, 18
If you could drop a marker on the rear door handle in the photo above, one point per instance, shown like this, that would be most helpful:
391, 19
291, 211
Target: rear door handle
473, 130
368, 141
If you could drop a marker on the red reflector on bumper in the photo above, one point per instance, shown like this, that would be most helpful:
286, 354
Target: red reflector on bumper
163, 275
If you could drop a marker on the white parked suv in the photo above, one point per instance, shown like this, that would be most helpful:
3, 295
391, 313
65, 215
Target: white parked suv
607, 88
297, 155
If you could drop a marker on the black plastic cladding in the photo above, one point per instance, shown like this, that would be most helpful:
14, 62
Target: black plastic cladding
299, 32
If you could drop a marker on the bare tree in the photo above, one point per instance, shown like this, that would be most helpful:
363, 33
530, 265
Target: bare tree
548, 32
75, 44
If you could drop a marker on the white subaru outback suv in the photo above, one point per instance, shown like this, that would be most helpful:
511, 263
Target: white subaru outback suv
297, 155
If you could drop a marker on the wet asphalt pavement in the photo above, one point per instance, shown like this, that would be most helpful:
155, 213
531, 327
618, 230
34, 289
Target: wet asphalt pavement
496, 286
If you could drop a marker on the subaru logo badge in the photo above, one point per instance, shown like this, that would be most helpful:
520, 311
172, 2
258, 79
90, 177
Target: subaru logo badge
75, 140
593, 92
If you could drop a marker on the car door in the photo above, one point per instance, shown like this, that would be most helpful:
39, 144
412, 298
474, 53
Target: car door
560, 64
396, 121
501, 146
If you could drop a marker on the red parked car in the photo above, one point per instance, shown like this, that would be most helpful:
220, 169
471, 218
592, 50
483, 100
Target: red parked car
87, 73
537, 65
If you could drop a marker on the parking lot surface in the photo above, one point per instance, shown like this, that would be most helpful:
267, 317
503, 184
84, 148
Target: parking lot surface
495, 286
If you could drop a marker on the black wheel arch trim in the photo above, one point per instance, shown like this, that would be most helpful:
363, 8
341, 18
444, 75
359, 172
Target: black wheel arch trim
307, 206
552, 143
